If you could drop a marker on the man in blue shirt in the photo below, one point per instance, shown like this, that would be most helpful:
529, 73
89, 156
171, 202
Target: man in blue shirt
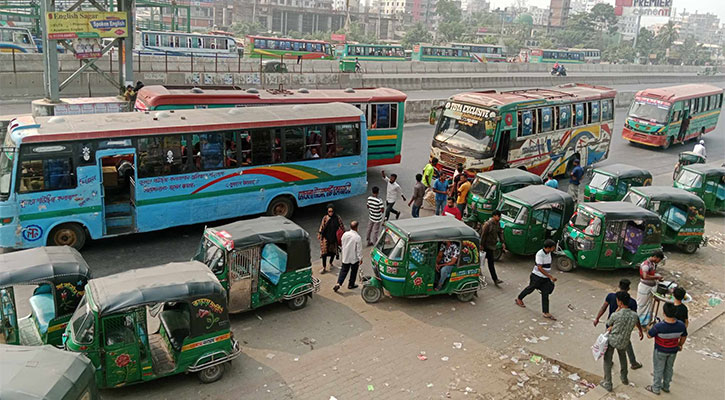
611, 302
550, 181
440, 188
575, 178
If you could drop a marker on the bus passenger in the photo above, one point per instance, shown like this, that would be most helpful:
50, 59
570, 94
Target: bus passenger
330, 142
230, 154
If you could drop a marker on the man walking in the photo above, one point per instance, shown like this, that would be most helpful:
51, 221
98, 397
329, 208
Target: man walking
620, 326
351, 257
541, 279
670, 336
440, 188
575, 178
418, 193
391, 195
491, 234
375, 216
611, 302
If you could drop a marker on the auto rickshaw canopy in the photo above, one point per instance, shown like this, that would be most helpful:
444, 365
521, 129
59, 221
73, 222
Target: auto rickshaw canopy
542, 196
43, 264
669, 194
622, 211
44, 372
691, 156
510, 176
179, 281
623, 171
434, 228
706, 169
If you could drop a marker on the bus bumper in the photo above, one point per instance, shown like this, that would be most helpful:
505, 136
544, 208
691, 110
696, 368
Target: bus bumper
643, 138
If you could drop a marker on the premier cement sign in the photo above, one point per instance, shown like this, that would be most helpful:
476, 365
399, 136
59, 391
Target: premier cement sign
656, 8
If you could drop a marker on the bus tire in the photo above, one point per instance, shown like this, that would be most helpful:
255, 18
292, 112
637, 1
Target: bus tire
211, 374
564, 264
281, 206
70, 234
297, 303
667, 144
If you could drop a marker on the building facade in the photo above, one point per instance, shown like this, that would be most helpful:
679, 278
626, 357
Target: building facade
559, 13
704, 28
540, 15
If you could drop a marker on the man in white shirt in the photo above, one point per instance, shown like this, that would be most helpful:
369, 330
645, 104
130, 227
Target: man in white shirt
700, 149
351, 257
391, 195
541, 279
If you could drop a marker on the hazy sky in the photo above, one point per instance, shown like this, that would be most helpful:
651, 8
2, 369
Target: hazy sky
702, 6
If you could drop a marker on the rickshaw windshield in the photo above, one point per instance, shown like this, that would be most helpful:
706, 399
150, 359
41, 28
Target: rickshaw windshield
81, 323
587, 223
211, 255
483, 188
689, 179
601, 181
636, 199
392, 246
513, 212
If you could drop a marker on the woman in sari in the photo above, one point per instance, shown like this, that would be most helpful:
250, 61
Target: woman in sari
327, 235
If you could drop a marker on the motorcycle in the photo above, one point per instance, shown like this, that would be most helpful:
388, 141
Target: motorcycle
558, 72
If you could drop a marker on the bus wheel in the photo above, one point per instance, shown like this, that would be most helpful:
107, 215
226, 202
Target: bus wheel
689, 248
281, 206
371, 294
71, 235
211, 374
564, 264
668, 143
465, 297
297, 303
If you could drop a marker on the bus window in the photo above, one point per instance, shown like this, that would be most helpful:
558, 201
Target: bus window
262, 146
294, 144
330, 141
594, 111
6, 35
159, 156
348, 140
296, 46
578, 114
546, 120
208, 153
383, 116
46, 174
246, 148
146, 39
527, 123
693, 106
607, 110
313, 142
230, 150
564, 116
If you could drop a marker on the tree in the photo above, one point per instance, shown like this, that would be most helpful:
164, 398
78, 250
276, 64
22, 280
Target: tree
646, 43
418, 33
667, 35
602, 15
450, 26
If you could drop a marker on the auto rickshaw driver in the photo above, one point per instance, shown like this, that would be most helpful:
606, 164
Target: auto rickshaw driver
446, 260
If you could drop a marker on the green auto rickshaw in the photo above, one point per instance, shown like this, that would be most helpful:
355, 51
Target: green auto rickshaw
609, 235
687, 158
405, 258
58, 276
533, 214
707, 181
144, 324
260, 261
682, 214
610, 183
44, 372
487, 188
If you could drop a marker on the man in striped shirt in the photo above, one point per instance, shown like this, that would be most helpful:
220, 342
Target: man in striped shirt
670, 336
375, 215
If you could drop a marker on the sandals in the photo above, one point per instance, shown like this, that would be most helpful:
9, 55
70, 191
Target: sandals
651, 390
551, 317
323, 270
519, 303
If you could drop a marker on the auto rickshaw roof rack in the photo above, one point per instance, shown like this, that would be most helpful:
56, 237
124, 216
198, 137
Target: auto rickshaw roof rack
540, 195
671, 194
42, 264
511, 176
706, 169
622, 211
164, 283
433, 228
623, 170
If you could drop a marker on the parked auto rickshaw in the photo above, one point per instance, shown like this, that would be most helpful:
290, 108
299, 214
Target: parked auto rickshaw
44, 372
609, 235
533, 214
687, 158
185, 300
405, 256
610, 183
487, 188
260, 261
59, 276
682, 214
707, 181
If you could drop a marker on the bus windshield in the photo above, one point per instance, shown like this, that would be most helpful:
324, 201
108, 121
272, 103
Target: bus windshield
648, 111
467, 127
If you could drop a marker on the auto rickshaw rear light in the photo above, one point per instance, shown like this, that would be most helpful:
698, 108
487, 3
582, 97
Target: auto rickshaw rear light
487, 206
6, 221
517, 231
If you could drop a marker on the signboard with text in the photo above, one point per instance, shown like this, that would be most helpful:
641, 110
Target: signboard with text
86, 24
645, 8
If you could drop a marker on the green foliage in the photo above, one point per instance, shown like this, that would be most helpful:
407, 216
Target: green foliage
451, 27
418, 33
667, 35
244, 28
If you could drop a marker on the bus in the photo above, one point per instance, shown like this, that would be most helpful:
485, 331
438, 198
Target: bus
537, 130
13, 39
384, 109
674, 114
372, 52
185, 44
556, 56
272, 47
591, 56
483, 52
66, 179
440, 53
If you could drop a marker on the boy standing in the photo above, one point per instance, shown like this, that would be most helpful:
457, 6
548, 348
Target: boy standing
670, 336
681, 313
611, 302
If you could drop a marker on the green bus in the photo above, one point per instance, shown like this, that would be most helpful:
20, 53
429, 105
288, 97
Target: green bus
371, 52
272, 47
440, 53
557, 56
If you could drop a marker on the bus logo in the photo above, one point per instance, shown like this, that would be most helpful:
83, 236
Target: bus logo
32, 233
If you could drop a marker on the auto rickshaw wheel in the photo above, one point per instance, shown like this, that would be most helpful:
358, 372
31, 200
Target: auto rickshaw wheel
497, 254
465, 297
564, 264
689, 248
297, 303
211, 374
371, 294
72, 235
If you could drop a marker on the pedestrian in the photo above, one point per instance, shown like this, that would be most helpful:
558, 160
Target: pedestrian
458, 171
670, 336
376, 207
446, 260
541, 279
550, 181
327, 235
463, 188
610, 302
428, 179
416, 201
648, 280
700, 149
620, 326
681, 312
451, 210
491, 234
351, 257
575, 178
440, 188
391, 195
453, 189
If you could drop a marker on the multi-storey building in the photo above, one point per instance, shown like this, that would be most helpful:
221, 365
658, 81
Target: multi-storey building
559, 13
540, 15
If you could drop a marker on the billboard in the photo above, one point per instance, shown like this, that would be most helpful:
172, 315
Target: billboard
646, 8
86, 24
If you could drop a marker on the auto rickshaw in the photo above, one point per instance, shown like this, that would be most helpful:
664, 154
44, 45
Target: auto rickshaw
185, 301
59, 276
533, 214
44, 372
610, 183
487, 188
405, 256
707, 181
682, 214
687, 158
260, 261
609, 235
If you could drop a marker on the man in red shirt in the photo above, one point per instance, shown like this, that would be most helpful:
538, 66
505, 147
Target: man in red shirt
452, 210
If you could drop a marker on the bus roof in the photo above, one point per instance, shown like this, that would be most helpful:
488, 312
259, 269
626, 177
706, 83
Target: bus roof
373, 45
287, 39
476, 44
156, 95
92, 126
567, 92
188, 34
680, 92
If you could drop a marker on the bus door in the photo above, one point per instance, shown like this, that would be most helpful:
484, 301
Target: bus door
118, 190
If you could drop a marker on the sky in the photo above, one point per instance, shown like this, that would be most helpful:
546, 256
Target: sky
703, 6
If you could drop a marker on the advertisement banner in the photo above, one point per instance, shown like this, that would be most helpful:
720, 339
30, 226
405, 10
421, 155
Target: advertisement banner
87, 48
86, 24
338, 37
655, 8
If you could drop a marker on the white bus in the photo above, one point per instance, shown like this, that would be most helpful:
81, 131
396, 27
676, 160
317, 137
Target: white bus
483, 52
13, 39
185, 44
